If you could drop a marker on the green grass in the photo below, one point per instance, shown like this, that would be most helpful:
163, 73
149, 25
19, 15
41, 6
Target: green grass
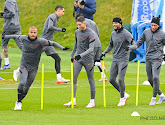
56, 95
35, 12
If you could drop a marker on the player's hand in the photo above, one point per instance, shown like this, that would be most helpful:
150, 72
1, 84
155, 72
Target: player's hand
77, 57
101, 57
72, 59
1, 14
63, 29
127, 48
164, 57
66, 48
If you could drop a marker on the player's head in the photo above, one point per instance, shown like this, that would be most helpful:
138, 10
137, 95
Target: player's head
81, 25
117, 23
33, 33
59, 10
155, 23
78, 15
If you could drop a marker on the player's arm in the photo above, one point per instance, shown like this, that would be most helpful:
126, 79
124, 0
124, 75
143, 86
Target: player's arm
51, 27
10, 11
11, 36
138, 43
109, 48
74, 49
45, 42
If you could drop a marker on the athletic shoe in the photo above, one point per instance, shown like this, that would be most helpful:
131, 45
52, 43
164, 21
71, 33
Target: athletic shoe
153, 102
15, 74
121, 103
6, 67
62, 80
102, 79
70, 104
18, 106
1, 78
126, 97
161, 100
90, 105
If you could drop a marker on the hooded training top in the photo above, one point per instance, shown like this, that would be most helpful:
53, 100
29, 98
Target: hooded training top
50, 27
119, 42
84, 45
92, 25
155, 42
11, 16
32, 49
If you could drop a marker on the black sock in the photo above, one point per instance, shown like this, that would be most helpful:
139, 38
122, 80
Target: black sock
20, 95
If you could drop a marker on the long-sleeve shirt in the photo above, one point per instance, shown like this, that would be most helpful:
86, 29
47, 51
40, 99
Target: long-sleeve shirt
88, 10
84, 45
119, 42
92, 25
32, 49
50, 27
155, 42
11, 16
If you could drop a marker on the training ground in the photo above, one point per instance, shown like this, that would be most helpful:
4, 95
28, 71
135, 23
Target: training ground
56, 95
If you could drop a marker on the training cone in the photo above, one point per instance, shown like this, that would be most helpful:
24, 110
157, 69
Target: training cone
146, 83
135, 114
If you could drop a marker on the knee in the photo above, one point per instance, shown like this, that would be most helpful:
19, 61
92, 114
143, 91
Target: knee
112, 80
156, 79
57, 59
121, 81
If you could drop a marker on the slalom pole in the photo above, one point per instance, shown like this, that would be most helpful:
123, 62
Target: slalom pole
104, 99
42, 87
137, 86
72, 84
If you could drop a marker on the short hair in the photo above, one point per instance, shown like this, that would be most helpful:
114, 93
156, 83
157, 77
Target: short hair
78, 15
80, 19
33, 27
59, 7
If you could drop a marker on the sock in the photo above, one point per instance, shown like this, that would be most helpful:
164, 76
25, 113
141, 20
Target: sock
161, 95
154, 98
97, 63
92, 101
20, 95
122, 99
59, 76
125, 95
74, 100
102, 75
18, 69
6, 61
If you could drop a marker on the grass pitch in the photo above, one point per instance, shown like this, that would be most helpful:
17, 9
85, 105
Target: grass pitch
56, 95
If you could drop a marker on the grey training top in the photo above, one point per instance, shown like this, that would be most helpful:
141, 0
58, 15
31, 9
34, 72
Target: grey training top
32, 49
50, 27
11, 16
92, 25
154, 44
84, 45
119, 42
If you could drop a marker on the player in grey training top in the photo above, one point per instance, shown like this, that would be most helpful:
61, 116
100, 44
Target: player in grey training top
97, 50
31, 53
11, 27
155, 41
48, 32
84, 49
120, 39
